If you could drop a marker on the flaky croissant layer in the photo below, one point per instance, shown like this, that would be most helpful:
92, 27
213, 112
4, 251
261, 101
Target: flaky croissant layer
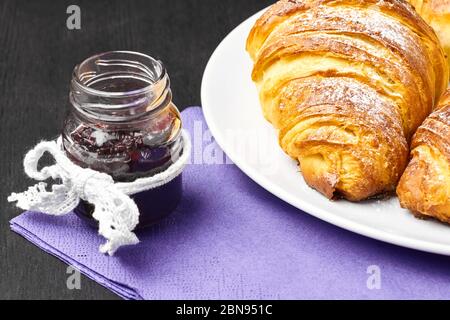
425, 186
346, 83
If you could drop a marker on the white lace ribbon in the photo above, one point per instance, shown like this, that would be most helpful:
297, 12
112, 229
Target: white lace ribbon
115, 211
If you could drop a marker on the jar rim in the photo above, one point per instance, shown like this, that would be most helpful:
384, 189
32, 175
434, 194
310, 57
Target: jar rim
160, 75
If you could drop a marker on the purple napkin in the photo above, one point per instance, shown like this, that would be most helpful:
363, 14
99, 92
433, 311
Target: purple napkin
231, 239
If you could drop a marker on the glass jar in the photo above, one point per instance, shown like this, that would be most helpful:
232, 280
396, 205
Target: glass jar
122, 122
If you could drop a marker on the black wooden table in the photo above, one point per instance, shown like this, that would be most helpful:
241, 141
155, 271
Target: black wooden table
37, 55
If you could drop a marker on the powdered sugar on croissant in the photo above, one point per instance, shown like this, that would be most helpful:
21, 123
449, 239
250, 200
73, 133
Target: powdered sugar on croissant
347, 83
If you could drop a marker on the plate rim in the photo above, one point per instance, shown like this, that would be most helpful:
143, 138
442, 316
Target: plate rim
319, 213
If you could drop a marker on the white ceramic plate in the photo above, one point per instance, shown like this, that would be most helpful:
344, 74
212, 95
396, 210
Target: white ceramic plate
232, 111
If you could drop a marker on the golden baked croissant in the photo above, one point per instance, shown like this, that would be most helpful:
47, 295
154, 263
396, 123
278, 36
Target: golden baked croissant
346, 83
424, 187
437, 14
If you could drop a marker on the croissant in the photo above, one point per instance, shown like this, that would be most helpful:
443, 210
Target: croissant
346, 84
424, 187
437, 14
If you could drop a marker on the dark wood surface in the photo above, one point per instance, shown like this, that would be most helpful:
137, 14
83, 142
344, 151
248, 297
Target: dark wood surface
37, 55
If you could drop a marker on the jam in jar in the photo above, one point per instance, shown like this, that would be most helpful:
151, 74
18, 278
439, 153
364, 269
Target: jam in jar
122, 122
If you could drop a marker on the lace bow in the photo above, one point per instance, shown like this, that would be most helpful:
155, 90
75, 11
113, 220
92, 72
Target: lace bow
115, 211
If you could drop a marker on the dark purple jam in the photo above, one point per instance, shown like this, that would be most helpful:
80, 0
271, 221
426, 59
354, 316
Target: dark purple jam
126, 156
